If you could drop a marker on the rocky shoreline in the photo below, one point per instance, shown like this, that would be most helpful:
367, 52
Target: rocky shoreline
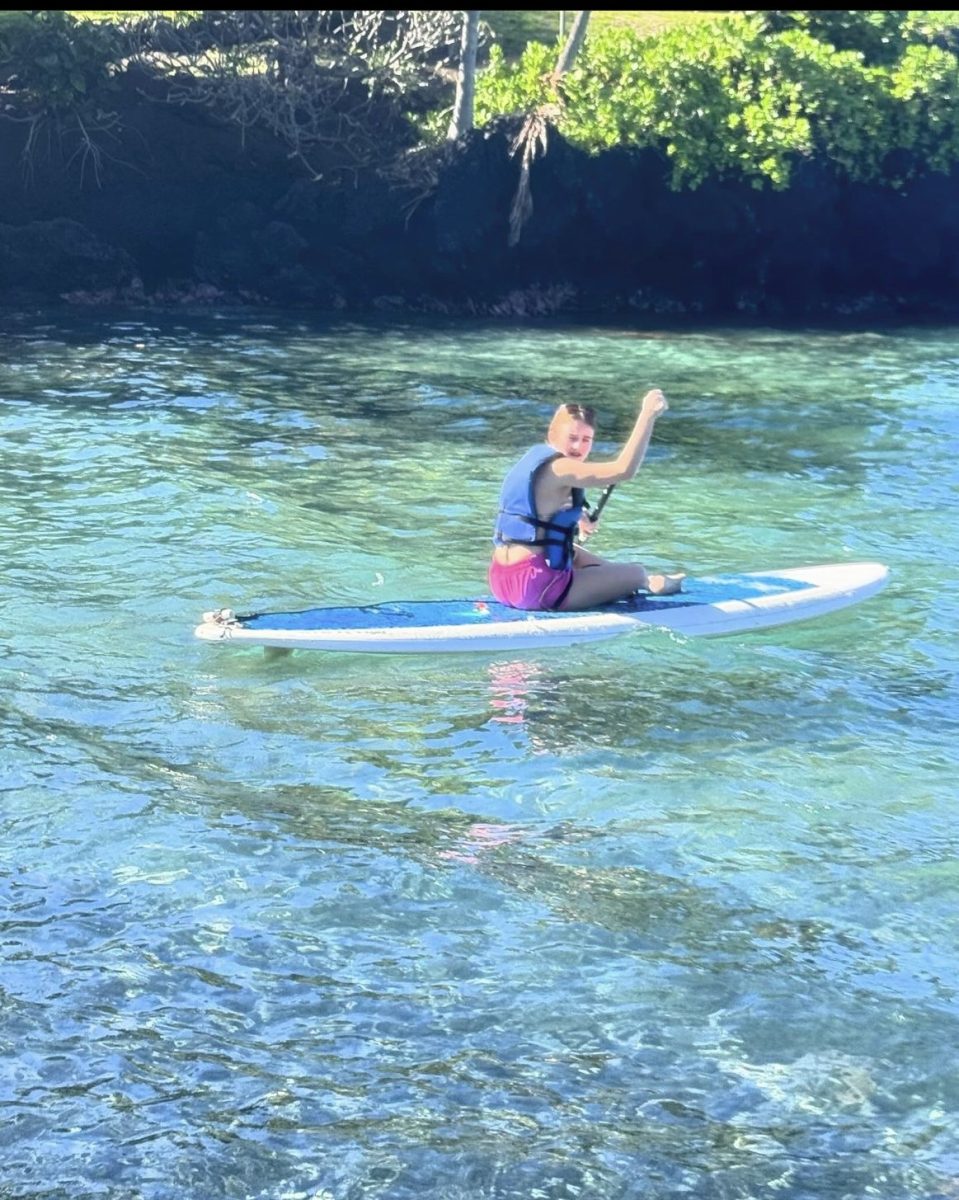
179, 209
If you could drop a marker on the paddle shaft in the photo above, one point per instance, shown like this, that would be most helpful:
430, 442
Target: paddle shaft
601, 504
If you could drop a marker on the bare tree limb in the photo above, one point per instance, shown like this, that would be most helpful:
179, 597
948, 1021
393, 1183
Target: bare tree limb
332, 85
577, 35
531, 139
462, 119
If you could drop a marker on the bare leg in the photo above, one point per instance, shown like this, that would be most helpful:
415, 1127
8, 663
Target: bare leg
600, 582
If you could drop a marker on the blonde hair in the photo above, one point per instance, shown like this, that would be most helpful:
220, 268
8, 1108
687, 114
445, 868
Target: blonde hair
570, 412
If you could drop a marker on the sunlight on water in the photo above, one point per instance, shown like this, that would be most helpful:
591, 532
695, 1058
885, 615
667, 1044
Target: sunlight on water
654, 918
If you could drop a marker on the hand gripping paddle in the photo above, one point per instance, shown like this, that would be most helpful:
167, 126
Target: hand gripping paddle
600, 505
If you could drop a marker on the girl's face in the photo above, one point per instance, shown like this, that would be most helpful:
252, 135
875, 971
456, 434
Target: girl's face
574, 439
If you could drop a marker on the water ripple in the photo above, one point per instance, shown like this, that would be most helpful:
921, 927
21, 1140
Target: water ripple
654, 918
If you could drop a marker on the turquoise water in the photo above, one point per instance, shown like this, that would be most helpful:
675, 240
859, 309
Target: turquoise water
652, 918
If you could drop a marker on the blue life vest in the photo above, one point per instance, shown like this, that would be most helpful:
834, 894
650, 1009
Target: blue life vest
518, 522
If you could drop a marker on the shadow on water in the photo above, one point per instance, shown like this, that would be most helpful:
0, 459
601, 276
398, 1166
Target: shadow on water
428, 766
660, 916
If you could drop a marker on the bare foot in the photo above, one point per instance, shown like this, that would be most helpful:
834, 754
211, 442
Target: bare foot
665, 585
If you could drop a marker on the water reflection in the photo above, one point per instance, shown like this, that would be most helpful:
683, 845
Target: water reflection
513, 686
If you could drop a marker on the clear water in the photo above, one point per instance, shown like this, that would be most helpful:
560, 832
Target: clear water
648, 919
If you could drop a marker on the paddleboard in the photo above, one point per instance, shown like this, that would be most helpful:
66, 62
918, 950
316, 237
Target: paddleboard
708, 606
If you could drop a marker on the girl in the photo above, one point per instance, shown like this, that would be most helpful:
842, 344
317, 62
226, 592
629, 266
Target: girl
536, 564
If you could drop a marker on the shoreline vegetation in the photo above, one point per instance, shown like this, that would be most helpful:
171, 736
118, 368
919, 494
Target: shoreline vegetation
766, 163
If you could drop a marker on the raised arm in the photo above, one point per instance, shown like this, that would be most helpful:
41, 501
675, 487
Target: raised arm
575, 473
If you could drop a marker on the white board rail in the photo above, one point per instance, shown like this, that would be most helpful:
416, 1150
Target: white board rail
708, 606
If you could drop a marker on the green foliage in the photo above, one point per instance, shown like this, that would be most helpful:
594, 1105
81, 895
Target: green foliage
57, 64
878, 34
937, 25
925, 86
845, 101
745, 96
706, 95
516, 87
741, 95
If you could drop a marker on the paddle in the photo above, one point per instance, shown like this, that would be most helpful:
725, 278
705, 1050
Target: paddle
600, 505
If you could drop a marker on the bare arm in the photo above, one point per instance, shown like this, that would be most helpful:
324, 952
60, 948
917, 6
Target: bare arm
573, 473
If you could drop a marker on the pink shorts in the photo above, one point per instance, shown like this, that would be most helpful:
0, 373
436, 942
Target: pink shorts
530, 583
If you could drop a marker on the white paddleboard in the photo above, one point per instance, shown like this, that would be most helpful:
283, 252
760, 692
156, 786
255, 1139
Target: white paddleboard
708, 606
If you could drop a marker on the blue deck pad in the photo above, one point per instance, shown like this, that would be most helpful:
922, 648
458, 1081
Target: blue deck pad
708, 589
